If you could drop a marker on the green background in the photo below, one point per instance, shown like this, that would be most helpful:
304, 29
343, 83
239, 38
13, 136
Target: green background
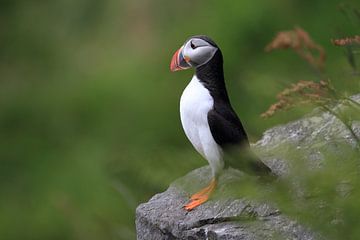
89, 118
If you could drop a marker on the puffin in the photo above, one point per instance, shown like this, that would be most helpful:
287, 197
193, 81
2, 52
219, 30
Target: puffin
208, 118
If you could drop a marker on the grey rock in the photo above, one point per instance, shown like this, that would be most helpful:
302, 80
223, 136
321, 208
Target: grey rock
163, 217
316, 133
223, 217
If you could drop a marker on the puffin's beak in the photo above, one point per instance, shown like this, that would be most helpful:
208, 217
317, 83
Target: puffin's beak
178, 61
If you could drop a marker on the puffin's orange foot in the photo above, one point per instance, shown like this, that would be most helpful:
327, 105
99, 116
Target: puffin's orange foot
195, 203
200, 197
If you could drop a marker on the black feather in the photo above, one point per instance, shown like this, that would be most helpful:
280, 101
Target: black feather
225, 125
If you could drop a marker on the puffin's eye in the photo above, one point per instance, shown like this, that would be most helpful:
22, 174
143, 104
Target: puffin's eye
192, 45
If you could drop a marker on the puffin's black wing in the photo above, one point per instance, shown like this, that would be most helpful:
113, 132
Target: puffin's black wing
228, 132
226, 128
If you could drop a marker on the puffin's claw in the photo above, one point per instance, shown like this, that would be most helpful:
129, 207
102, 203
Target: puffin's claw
200, 197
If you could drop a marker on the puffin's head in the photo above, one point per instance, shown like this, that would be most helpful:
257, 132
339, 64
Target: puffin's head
196, 51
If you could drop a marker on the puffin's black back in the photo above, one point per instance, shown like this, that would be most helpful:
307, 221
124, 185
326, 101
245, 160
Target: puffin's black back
225, 125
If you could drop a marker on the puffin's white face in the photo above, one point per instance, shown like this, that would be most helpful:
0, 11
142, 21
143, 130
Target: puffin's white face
198, 51
194, 53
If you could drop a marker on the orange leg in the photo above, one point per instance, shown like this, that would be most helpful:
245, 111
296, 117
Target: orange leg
200, 197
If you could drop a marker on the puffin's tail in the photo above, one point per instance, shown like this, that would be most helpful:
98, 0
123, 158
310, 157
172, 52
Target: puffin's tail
248, 162
257, 167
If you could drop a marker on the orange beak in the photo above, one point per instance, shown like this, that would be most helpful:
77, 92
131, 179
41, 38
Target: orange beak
178, 61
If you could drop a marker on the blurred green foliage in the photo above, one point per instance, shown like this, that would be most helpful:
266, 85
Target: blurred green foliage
89, 122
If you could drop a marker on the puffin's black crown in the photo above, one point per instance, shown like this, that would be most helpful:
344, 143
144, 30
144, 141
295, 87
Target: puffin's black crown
205, 38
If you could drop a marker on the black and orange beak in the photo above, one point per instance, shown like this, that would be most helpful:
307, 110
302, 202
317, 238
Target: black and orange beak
178, 61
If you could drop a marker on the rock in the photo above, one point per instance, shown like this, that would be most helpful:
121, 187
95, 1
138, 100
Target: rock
163, 217
313, 134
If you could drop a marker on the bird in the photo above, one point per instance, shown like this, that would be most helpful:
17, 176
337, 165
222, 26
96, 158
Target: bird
208, 118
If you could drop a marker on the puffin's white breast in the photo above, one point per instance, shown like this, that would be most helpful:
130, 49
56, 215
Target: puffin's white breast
195, 103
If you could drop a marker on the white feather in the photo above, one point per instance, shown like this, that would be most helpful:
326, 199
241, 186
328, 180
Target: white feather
195, 103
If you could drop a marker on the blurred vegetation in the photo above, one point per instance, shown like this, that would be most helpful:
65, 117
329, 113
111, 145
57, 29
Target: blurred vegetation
89, 118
